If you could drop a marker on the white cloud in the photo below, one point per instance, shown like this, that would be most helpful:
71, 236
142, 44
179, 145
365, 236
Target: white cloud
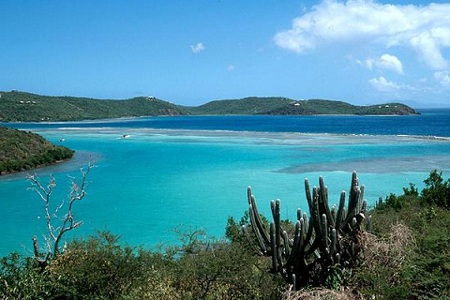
383, 85
443, 78
199, 47
426, 29
386, 62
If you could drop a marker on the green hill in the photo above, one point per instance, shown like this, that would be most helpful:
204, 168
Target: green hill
245, 106
20, 150
26, 107
18, 106
285, 106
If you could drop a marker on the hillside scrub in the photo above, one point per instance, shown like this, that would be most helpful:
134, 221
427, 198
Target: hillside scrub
21, 150
17, 106
25, 107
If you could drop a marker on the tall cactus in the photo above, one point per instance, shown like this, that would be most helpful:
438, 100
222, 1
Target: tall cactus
329, 238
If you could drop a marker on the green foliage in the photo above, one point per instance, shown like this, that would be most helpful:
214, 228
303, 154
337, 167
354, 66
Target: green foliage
99, 267
419, 269
209, 269
411, 191
245, 106
285, 106
25, 107
416, 270
437, 191
21, 150
393, 201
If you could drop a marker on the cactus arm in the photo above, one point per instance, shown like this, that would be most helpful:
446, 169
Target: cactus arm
258, 233
352, 205
325, 239
274, 249
363, 207
309, 197
257, 222
309, 232
257, 250
275, 207
325, 243
340, 211
316, 212
333, 246
323, 202
361, 197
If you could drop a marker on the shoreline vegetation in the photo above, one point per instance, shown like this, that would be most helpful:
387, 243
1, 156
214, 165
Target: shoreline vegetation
22, 150
17, 106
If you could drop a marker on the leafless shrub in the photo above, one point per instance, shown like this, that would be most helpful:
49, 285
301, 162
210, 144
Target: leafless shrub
389, 252
57, 222
323, 294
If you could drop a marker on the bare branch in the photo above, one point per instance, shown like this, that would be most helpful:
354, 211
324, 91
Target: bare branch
67, 222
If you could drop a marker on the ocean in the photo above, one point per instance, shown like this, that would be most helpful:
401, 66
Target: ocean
154, 176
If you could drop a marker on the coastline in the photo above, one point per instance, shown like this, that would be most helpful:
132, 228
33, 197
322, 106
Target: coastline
5, 173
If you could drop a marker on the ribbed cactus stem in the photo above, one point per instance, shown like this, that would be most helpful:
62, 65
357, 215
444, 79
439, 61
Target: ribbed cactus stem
337, 258
353, 204
324, 239
334, 213
324, 232
341, 211
361, 197
305, 223
301, 241
315, 210
249, 194
259, 250
286, 245
323, 201
257, 231
309, 197
364, 207
274, 248
354, 222
275, 206
257, 223
296, 241
333, 247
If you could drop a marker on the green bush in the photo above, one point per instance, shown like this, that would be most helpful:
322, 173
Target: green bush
437, 191
98, 267
423, 268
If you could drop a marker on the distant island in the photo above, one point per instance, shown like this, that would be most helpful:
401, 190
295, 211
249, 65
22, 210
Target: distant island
17, 106
286, 106
22, 150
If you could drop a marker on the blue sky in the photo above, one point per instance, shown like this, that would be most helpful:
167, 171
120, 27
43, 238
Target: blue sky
192, 52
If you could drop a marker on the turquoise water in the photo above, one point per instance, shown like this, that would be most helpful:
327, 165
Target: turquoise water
144, 186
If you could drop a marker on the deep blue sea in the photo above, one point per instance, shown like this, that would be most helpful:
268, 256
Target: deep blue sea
156, 175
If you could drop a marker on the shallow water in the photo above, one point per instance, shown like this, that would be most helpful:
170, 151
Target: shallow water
144, 186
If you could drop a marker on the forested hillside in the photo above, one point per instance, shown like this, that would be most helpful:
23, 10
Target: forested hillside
25, 107
285, 106
18, 106
20, 150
